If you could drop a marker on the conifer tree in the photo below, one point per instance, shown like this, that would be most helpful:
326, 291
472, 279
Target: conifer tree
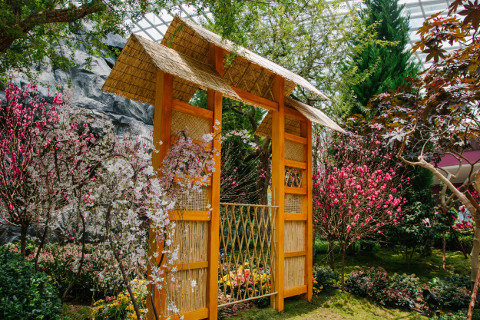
382, 66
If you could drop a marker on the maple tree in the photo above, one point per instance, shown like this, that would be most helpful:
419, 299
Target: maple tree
438, 114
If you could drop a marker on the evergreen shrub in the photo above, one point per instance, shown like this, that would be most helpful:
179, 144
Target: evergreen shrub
404, 290
452, 292
324, 278
25, 293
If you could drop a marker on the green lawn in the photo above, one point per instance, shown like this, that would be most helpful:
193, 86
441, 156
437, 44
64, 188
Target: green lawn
331, 305
342, 305
425, 268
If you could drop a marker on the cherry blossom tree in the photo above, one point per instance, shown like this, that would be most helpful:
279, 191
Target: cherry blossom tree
357, 193
28, 179
66, 169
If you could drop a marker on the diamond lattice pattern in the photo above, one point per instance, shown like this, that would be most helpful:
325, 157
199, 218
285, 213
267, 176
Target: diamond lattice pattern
246, 252
293, 177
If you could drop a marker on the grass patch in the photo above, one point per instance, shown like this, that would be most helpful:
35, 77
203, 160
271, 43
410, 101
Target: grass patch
336, 305
76, 312
425, 268
332, 305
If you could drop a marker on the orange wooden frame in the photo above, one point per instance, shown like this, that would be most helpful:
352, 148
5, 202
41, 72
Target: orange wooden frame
164, 104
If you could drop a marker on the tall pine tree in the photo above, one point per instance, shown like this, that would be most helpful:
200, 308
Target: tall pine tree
376, 68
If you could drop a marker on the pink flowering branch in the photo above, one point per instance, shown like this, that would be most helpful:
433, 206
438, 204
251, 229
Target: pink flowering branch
356, 193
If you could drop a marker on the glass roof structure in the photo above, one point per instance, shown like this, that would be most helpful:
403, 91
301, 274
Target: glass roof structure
154, 26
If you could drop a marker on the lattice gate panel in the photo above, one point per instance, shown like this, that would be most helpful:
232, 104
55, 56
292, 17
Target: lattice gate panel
246, 252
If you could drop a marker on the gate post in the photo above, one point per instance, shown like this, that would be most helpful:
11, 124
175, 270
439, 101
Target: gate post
161, 140
309, 225
214, 103
278, 188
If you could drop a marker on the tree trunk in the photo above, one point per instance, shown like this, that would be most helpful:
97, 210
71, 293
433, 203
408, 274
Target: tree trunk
475, 251
23, 237
331, 248
474, 297
344, 251
40, 246
444, 247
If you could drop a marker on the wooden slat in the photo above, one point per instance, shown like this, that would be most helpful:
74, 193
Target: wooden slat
295, 291
295, 217
214, 102
192, 110
256, 100
193, 315
295, 254
294, 138
278, 188
295, 164
294, 190
189, 215
309, 224
191, 265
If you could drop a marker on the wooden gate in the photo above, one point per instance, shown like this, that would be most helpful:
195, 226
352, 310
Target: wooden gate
167, 75
247, 252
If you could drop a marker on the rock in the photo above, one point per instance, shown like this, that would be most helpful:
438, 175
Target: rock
114, 40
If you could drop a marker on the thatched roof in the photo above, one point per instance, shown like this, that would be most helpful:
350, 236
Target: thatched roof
184, 54
134, 74
291, 125
313, 114
248, 71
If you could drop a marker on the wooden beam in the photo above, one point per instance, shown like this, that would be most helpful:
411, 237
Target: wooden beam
295, 291
193, 315
295, 254
256, 100
192, 110
295, 164
162, 122
200, 181
295, 217
278, 189
189, 215
214, 102
294, 138
293, 190
309, 227
294, 114
191, 265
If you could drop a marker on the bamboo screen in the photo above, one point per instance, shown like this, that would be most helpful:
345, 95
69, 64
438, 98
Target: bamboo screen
188, 291
294, 151
195, 127
295, 227
191, 239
